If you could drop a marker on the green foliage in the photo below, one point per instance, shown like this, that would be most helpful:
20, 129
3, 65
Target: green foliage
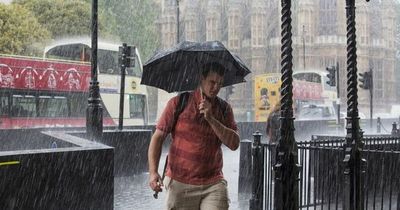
130, 21
134, 21
21, 32
63, 18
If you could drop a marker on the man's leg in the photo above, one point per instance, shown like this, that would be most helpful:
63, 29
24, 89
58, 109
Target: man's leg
215, 197
182, 196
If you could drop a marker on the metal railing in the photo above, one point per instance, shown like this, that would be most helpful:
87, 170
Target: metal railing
321, 179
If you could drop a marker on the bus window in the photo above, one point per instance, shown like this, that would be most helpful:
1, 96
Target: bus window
308, 77
77, 105
4, 106
314, 77
52, 106
299, 76
137, 106
86, 54
136, 70
108, 62
316, 112
107, 57
23, 106
66, 52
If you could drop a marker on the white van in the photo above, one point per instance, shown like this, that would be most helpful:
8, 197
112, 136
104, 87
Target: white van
316, 112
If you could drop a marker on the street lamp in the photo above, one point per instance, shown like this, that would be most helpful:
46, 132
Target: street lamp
353, 189
94, 111
287, 169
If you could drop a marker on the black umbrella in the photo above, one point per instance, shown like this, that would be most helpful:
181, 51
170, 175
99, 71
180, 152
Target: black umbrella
179, 68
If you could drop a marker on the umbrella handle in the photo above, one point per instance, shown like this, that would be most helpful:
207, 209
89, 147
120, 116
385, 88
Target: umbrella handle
155, 195
201, 93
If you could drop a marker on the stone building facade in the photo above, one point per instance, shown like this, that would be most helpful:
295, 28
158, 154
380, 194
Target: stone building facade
251, 29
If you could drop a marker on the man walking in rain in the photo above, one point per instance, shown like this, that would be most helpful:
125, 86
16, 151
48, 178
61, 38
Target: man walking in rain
194, 178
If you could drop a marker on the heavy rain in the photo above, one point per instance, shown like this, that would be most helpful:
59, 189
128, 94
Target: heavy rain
103, 103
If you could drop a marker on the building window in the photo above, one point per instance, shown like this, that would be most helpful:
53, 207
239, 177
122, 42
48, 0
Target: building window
375, 20
327, 17
234, 28
212, 29
190, 29
257, 32
378, 78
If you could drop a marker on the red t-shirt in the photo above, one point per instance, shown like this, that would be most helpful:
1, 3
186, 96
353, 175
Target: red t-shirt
195, 155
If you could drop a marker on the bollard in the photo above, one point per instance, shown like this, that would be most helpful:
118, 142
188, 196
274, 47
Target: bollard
399, 121
256, 201
394, 129
378, 125
245, 178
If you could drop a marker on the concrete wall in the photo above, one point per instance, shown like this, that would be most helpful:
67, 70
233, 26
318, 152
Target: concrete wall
77, 176
29, 139
130, 148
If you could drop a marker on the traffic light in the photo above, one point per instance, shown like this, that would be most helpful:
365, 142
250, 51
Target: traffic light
127, 55
365, 80
331, 75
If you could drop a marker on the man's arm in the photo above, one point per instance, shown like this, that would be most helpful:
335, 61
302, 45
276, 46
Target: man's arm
154, 154
228, 136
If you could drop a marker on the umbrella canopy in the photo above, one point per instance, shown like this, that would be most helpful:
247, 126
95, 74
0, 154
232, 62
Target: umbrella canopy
179, 68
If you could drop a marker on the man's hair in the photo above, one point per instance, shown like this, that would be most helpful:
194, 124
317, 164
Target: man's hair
213, 67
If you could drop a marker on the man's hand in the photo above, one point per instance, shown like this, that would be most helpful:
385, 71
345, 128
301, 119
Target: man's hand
205, 109
155, 182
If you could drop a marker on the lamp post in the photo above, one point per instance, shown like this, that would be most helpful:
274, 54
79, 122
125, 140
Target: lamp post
338, 93
353, 189
287, 168
304, 48
94, 111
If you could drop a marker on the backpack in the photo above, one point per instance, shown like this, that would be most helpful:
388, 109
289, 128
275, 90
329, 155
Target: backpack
182, 102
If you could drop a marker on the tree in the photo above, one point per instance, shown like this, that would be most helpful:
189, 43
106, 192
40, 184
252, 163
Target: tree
21, 31
64, 18
130, 21
134, 22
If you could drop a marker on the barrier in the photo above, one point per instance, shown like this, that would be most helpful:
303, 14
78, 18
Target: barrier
36, 174
321, 183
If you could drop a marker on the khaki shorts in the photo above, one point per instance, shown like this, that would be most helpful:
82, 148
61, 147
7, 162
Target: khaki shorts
182, 196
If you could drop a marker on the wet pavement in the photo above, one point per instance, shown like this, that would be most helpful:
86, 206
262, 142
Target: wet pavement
133, 193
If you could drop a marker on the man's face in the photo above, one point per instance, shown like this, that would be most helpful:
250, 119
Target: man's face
211, 84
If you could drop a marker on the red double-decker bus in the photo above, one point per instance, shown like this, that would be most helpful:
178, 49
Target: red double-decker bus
49, 92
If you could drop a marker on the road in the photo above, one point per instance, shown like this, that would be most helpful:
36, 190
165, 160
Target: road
133, 193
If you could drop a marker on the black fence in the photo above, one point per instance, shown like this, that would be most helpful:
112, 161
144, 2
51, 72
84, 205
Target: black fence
321, 178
